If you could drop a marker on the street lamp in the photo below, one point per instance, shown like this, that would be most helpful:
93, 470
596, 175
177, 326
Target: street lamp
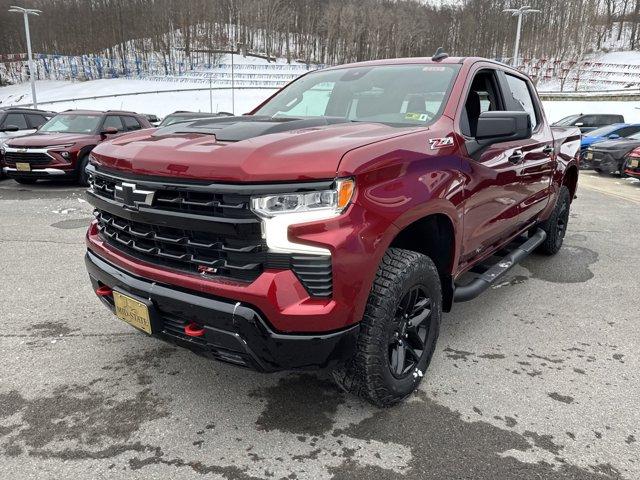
519, 12
25, 13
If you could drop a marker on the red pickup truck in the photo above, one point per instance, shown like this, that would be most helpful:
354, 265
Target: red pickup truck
332, 225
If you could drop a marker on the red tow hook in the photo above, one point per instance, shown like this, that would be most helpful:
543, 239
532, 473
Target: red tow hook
103, 291
193, 330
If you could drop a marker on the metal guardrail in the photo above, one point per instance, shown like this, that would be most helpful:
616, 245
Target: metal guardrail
604, 95
148, 92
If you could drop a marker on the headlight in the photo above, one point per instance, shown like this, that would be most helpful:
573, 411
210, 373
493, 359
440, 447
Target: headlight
279, 211
328, 201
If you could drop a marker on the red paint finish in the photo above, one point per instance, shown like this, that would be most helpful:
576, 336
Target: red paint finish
399, 178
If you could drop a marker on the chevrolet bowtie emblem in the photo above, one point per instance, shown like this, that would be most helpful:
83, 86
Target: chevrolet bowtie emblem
131, 197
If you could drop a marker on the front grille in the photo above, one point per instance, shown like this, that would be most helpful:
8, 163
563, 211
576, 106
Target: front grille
199, 229
190, 250
34, 158
187, 201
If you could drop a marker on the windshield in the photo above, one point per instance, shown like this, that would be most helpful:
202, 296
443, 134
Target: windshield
566, 121
171, 119
72, 123
399, 95
603, 131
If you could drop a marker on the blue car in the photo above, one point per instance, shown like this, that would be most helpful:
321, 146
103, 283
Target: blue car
610, 132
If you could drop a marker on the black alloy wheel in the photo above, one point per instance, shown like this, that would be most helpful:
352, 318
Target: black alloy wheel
407, 342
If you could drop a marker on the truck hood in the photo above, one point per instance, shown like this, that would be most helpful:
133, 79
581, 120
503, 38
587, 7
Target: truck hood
243, 149
38, 140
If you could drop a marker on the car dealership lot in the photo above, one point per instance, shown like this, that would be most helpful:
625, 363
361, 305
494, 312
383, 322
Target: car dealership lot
537, 378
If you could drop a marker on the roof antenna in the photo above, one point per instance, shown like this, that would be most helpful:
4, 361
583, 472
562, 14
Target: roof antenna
439, 55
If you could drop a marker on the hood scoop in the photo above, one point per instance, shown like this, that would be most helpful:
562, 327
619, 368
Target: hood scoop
236, 129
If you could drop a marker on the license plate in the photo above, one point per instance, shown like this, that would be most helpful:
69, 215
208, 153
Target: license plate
23, 167
132, 311
634, 163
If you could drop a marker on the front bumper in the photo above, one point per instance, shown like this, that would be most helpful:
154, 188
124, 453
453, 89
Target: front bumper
46, 172
632, 171
235, 332
601, 161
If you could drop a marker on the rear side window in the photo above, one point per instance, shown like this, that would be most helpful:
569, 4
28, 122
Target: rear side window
626, 131
131, 123
522, 95
113, 121
16, 119
591, 121
613, 119
35, 120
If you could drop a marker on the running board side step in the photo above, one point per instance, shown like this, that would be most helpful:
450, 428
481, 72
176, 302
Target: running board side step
478, 285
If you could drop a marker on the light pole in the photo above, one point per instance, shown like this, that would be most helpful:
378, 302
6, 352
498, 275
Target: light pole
25, 13
519, 12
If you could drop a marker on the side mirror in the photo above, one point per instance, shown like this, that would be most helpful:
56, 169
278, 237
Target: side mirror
10, 128
108, 131
578, 124
494, 127
613, 136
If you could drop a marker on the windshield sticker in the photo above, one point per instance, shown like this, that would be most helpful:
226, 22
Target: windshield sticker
440, 142
418, 117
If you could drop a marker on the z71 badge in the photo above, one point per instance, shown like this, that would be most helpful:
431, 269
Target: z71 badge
440, 142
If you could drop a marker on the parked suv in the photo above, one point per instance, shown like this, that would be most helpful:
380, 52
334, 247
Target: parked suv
19, 121
333, 225
589, 122
61, 147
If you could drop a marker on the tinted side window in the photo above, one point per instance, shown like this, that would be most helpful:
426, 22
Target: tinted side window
483, 96
626, 131
16, 119
131, 123
35, 120
522, 95
113, 121
589, 121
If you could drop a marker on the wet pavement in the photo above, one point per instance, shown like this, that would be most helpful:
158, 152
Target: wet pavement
536, 379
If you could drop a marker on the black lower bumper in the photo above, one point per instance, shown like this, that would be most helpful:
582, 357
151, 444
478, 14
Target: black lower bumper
602, 162
234, 332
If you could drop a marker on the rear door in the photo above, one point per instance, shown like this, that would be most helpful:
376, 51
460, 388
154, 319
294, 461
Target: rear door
536, 167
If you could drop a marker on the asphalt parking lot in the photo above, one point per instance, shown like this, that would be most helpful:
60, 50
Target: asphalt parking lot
539, 378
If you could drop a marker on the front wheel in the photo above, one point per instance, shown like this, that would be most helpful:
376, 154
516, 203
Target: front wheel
83, 176
399, 330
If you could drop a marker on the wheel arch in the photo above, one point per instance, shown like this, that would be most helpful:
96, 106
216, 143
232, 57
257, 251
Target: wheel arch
570, 180
434, 236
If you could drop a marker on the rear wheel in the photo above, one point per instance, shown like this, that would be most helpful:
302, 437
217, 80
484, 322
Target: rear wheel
556, 225
26, 181
399, 330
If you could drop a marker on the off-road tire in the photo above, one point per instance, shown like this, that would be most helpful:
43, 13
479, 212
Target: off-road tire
83, 177
368, 374
556, 225
26, 181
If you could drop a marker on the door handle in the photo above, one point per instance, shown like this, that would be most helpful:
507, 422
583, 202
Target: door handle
548, 150
516, 156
